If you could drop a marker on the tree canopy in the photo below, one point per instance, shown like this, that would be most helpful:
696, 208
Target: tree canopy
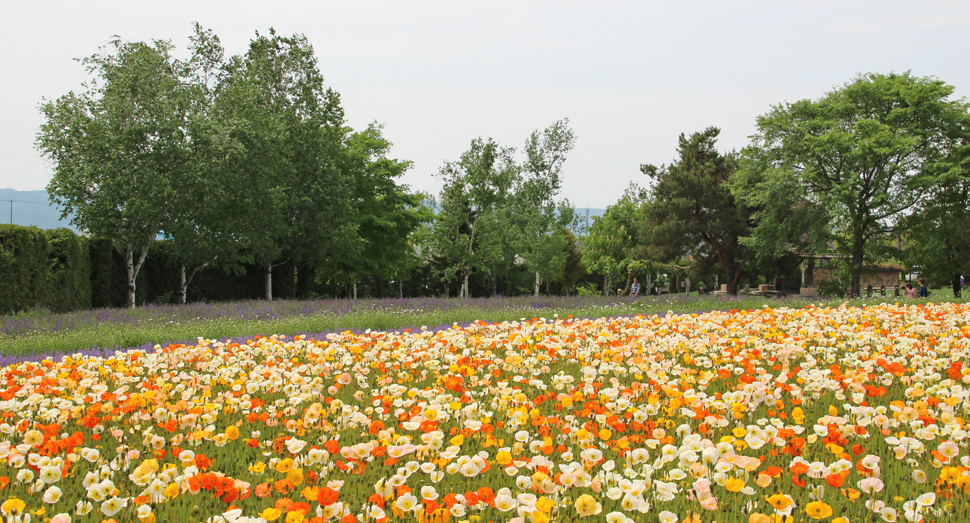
247, 163
849, 165
692, 211
120, 148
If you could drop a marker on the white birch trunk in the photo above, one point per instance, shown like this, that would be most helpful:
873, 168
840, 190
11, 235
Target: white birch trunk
183, 284
132, 270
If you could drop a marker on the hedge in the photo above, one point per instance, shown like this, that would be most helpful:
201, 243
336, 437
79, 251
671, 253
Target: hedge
61, 271
24, 268
70, 277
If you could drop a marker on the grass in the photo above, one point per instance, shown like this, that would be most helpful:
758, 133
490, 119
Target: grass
40, 333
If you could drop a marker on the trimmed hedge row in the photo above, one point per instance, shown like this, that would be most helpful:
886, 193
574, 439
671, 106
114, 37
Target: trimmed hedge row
61, 271
43, 268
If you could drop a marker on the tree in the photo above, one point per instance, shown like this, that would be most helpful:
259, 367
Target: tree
608, 246
204, 223
118, 148
464, 235
287, 132
573, 269
385, 212
538, 214
692, 211
937, 233
846, 167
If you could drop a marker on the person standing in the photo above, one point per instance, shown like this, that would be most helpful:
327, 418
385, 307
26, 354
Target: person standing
923, 292
635, 288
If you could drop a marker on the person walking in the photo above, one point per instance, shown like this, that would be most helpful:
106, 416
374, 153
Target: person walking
635, 288
923, 292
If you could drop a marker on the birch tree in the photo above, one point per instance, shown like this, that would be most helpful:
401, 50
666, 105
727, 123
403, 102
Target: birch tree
117, 148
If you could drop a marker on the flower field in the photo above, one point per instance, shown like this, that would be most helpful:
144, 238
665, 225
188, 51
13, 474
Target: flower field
843, 414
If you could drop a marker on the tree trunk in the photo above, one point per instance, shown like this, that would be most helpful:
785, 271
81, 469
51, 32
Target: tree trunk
856, 286
183, 284
304, 275
649, 284
355, 291
269, 281
401, 288
956, 286
606, 285
464, 286
185, 281
687, 286
538, 283
732, 275
132, 269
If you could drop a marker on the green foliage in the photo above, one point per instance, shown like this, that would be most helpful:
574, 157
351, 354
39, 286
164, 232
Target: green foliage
496, 217
937, 240
204, 223
24, 268
102, 258
573, 269
386, 214
467, 235
538, 217
692, 213
70, 277
237, 161
608, 247
47, 269
847, 167
118, 148
286, 135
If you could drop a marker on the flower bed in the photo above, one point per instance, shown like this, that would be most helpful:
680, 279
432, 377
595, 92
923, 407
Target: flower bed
841, 414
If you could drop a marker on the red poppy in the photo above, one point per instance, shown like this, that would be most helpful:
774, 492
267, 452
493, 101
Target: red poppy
327, 496
836, 480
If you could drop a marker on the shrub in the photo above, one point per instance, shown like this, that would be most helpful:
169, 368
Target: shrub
70, 275
24, 268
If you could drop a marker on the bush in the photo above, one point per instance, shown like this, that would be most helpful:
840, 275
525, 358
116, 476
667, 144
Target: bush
24, 268
69, 288
102, 263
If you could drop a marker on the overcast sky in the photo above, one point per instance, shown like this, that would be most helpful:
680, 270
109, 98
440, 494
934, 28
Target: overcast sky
630, 76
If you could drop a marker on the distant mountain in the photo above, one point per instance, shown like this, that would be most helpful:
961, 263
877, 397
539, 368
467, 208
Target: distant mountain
33, 208
30, 208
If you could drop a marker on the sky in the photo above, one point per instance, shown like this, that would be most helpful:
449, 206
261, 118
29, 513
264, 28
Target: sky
629, 76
